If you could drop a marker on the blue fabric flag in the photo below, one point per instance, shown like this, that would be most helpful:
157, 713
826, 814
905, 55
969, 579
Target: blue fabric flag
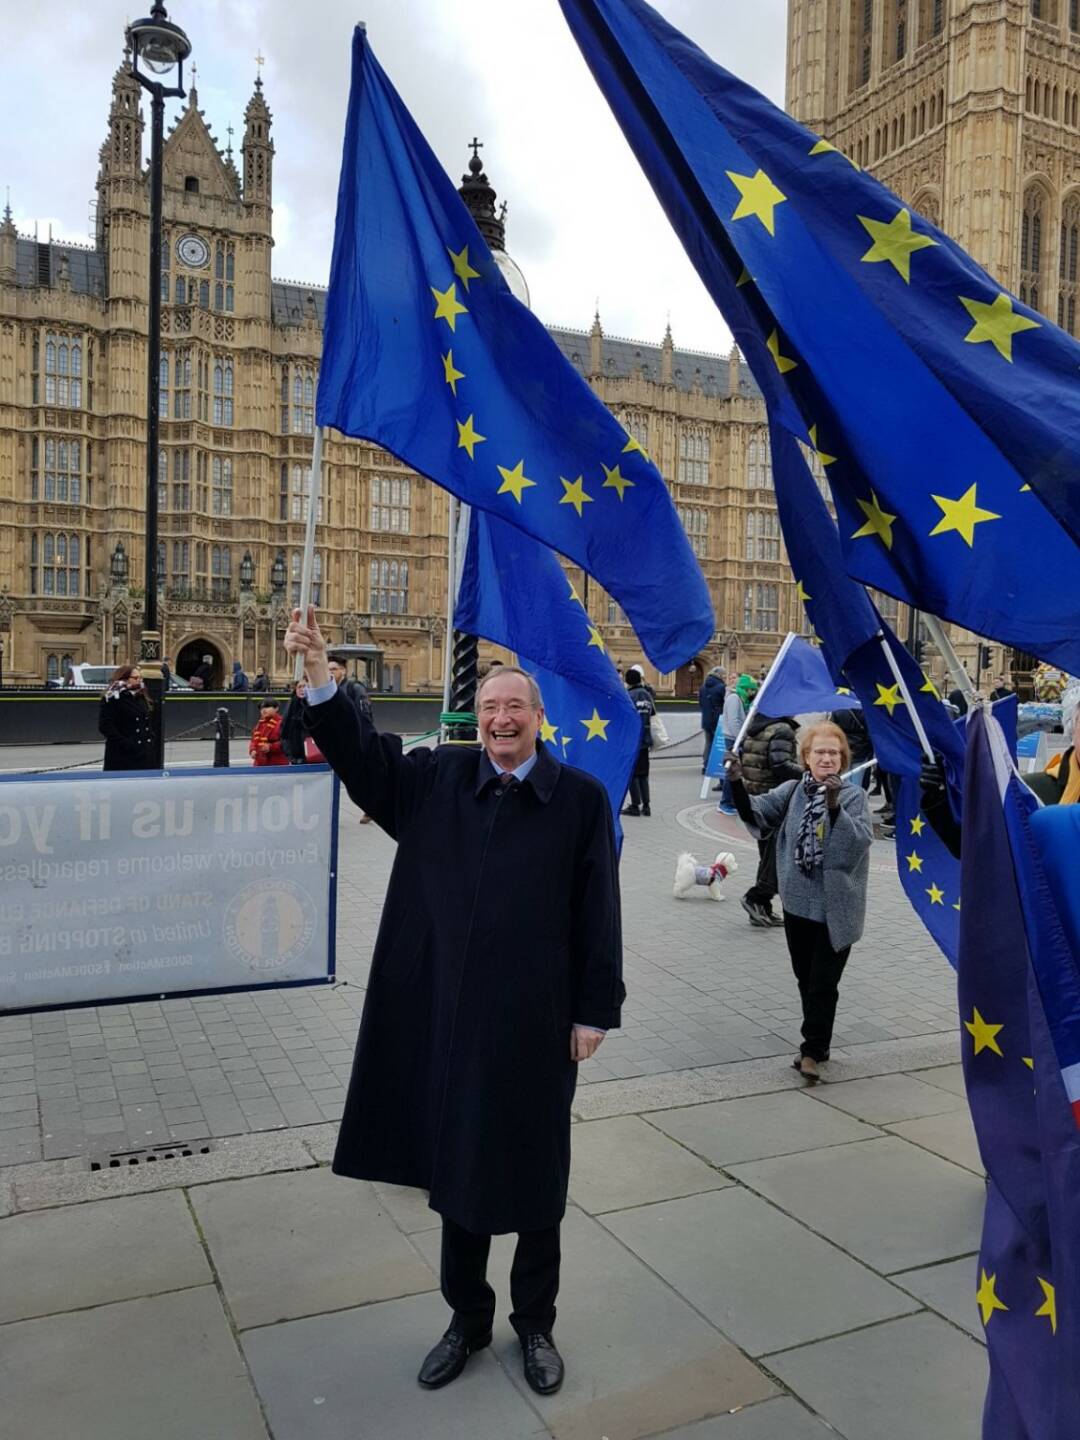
1028, 1275
799, 682
946, 412
515, 593
428, 354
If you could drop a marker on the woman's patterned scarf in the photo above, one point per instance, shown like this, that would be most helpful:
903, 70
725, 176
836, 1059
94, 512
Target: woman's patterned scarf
810, 842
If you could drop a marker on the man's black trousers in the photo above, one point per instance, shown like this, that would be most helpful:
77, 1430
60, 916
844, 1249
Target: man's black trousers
765, 885
534, 1280
817, 968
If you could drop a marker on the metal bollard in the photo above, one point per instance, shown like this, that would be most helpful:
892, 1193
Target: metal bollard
221, 739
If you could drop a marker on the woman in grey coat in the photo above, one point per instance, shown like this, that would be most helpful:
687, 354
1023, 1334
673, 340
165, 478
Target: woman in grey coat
823, 835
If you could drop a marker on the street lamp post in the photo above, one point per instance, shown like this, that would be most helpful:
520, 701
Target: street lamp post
1, 663
161, 47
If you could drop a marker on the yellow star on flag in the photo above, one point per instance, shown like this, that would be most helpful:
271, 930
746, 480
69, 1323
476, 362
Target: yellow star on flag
575, 494
462, 269
450, 374
744, 279
597, 728
937, 897
633, 445
997, 323
515, 481
548, 731
468, 438
914, 862
1023, 488
615, 481
1029, 1061
987, 1299
961, 515
1049, 1305
595, 638
889, 696
983, 1034
803, 597
930, 689
842, 690
783, 362
957, 905
447, 306
573, 592
823, 147
894, 242
759, 197
825, 459
878, 521
918, 825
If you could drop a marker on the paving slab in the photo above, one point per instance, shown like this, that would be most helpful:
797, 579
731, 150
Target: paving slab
62, 1182
948, 1077
751, 1270
884, 1099
782, 1419
873, 1200
55, 1260
730, 1131
300, 1244
165, 1366
352, 1376
408, 1208
623, 1162
911, 1379
950, 1290
952, 1136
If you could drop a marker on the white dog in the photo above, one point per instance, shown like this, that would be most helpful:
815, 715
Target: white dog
689, 873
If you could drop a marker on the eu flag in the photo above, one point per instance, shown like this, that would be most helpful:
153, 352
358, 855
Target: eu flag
945, 411
799, 682
514, 592
428, 354
1015, 968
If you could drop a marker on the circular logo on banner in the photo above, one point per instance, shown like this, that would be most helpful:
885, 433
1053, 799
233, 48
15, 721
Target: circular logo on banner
269, 923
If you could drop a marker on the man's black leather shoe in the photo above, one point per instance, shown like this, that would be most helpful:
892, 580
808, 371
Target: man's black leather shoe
449, 1357
544, 1368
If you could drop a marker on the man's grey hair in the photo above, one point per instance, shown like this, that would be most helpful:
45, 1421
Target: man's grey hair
718, 670
536, 700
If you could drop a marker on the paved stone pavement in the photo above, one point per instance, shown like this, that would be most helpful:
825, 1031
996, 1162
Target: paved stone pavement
705, 989
744, 1259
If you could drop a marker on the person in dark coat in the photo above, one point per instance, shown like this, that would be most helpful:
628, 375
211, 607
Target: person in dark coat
239, 679
292, 725
769, 756
711, 701
356, 690
497, 969
261, 683
204, 673
853, 724
124, 720
643, 703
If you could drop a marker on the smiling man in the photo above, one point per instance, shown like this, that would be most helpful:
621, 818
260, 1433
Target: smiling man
497, 968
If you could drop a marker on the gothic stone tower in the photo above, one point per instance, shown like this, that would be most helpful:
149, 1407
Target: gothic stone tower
969, 110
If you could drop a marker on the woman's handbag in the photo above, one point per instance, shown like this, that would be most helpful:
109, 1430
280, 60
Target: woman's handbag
657, 731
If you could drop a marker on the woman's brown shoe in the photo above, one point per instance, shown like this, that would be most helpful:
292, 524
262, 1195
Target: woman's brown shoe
808, 1069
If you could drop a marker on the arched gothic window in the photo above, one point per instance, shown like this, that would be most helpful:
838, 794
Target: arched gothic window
1069, 263
1031, 245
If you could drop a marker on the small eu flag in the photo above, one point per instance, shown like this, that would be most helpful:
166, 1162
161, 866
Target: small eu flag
515, 593
944, 410
428, 354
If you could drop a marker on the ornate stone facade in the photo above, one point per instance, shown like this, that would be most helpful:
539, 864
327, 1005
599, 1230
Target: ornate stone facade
240, 364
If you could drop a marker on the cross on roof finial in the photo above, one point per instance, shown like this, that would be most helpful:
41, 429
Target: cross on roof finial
229, 132
260, 61
477, 146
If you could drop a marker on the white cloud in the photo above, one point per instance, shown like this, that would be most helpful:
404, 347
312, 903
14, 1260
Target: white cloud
583, 222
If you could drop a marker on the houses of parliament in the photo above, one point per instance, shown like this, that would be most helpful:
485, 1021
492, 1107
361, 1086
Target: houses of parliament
968, 109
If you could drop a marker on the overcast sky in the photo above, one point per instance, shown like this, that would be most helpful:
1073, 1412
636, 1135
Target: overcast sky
583, 224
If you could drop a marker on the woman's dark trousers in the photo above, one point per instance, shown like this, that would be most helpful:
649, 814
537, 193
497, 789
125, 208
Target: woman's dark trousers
817, 968
534, 1280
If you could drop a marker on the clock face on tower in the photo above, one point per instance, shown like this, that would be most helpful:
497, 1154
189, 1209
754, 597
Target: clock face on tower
193, 251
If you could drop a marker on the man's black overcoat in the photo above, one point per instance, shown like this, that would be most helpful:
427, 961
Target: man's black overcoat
501, 929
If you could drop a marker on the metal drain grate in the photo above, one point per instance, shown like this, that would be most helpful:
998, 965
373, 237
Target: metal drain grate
121, 1159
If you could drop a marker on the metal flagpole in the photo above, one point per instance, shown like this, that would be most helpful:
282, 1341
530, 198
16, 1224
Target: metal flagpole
952, 660
784, 648
451, 595
314, 494
890, 660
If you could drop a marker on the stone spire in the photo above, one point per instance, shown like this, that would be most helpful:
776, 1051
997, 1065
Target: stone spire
122, 151
734, 371
8, 237
479, 196
667, 357
596, 344
258, 149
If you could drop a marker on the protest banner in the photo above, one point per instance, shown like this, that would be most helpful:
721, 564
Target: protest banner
139, 885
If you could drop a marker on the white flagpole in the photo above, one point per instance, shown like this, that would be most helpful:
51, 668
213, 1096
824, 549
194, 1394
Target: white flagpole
315, 492
451, 591
789, 639
890, 660
952, 660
